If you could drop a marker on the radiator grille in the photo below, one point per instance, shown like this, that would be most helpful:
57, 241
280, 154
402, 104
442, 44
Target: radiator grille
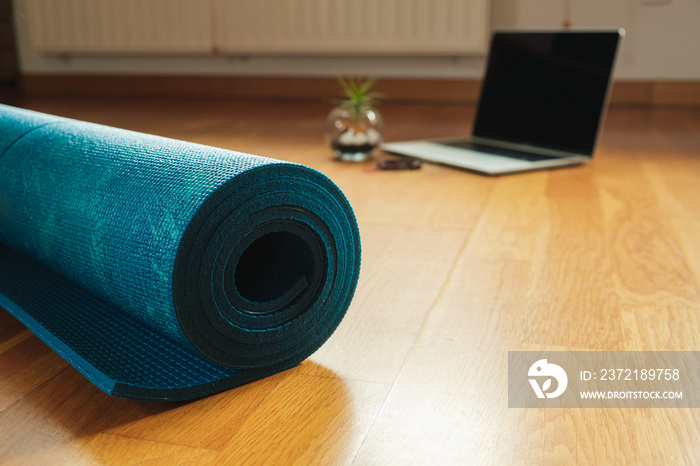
119, 26
362, 27
352, 26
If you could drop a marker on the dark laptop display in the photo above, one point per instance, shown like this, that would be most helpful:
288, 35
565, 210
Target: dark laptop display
546, 89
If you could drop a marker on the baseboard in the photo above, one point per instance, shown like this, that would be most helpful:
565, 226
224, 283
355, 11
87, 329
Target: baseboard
656, 93
242, 87
644, 93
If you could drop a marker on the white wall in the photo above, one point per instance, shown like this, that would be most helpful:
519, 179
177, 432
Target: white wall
662, 42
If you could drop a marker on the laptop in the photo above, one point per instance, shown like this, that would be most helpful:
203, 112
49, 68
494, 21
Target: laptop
541, 106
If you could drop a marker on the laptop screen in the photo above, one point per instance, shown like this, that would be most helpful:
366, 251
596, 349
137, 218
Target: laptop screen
546, 89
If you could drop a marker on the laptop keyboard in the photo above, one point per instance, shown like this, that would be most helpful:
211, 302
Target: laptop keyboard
513, 153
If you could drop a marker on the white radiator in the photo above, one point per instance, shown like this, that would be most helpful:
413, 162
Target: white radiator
352, 26
361, 27
120, 26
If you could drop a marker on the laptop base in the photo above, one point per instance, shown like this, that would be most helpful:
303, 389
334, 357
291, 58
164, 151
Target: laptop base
472, 160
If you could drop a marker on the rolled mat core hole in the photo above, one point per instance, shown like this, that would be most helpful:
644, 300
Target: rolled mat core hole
276, 265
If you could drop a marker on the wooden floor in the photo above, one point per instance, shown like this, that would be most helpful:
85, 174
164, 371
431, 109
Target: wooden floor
457, 270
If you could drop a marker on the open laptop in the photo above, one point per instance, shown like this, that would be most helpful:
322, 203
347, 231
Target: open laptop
541, 106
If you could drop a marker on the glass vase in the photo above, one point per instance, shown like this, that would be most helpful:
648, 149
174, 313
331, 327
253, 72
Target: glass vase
354, 132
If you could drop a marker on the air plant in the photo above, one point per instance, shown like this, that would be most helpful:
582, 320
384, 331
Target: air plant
358, 96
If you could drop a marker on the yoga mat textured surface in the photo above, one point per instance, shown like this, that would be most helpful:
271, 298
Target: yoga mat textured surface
165, 270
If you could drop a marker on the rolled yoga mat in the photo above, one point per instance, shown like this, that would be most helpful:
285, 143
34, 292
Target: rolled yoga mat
165, 270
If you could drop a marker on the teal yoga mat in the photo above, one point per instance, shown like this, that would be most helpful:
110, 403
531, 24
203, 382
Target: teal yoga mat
166, 270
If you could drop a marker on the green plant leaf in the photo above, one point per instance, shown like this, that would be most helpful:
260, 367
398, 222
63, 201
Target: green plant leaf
357, 95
